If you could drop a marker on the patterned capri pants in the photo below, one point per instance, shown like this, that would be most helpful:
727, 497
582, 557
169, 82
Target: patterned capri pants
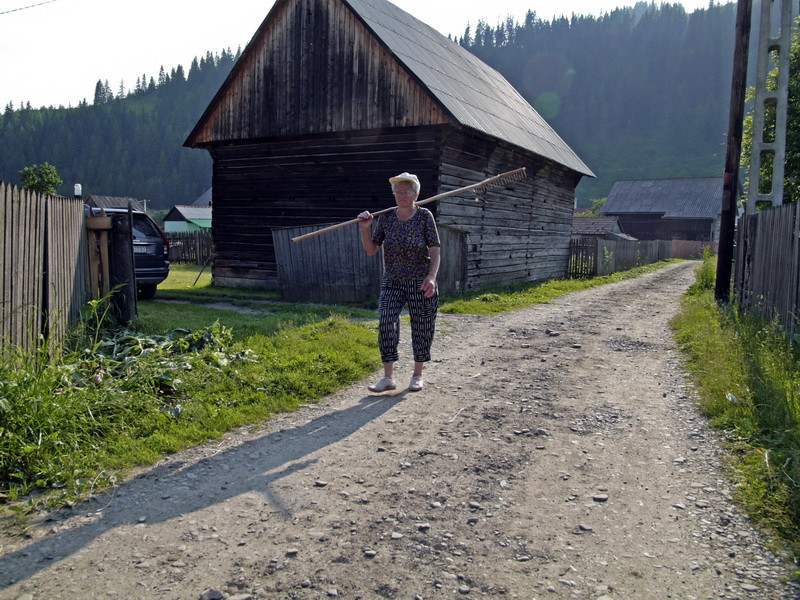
422, 311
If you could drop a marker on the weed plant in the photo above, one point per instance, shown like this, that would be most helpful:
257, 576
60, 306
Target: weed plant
748, 378
116, 398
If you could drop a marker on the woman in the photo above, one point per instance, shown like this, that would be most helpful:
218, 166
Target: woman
411, 262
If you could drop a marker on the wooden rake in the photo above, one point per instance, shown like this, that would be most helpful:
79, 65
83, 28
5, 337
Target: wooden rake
507, 177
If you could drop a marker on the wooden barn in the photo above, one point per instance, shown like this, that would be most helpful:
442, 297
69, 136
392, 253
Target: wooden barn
667, 209
332, 97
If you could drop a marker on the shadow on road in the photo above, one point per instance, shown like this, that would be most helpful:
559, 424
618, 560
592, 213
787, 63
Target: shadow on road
209, 481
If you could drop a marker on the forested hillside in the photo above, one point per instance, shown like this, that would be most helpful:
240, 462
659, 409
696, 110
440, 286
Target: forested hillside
128, 145
640, 92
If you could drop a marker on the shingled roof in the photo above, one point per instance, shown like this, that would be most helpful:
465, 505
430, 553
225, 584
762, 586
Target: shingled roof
699, 198
472, 93
475, 95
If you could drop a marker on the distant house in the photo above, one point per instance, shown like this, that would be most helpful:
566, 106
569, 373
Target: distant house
188, 218
332, 97
204, 199
601, 227
667, 209
115, 202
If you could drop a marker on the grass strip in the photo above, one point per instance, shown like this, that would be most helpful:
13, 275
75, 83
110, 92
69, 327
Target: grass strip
748, 379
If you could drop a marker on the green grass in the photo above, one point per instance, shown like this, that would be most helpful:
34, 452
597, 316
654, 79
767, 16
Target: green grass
748, 379
502, 299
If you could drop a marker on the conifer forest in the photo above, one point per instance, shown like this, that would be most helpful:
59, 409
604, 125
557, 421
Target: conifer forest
640, 92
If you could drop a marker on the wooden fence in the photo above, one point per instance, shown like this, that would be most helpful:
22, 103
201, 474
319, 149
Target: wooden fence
592, 256
43, 266
767, 264
333, 267
193, 247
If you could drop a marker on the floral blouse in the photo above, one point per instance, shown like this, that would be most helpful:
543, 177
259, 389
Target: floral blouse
405, 243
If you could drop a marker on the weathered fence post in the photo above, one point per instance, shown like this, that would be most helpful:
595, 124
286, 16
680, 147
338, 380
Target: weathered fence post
123, 275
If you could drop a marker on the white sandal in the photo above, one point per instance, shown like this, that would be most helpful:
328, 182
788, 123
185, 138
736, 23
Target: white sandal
384, 385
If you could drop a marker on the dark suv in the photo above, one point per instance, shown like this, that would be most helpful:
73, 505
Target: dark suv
150, 251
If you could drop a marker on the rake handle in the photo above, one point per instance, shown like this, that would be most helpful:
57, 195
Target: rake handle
486, 182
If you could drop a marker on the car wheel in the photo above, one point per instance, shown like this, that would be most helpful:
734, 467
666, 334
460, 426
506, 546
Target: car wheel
147, 291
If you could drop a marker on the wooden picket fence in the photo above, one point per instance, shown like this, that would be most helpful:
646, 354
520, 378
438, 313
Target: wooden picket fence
43, 266
767, 265
193, 247
592, 256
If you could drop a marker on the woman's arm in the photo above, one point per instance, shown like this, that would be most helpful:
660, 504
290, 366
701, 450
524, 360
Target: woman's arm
370, 247
429, 283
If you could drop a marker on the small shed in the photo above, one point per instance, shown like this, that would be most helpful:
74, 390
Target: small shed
332, 97
187, 218
115, 202
667, 209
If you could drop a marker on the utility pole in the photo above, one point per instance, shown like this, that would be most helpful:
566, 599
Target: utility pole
730, 190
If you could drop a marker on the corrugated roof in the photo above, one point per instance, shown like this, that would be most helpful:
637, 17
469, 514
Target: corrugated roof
476, 95
204, 199
697, 198
189, 213
114, 202
594, 225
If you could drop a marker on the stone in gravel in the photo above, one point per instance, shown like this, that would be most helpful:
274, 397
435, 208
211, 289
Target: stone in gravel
424, 526
748, 587
600, 498
211, 595
396, 535
585, 527
464, 590
475, 505
320, 483
292, 551
240, 597
370, 553
333, 593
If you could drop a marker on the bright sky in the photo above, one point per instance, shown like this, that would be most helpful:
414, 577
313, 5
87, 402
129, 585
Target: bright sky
52, 52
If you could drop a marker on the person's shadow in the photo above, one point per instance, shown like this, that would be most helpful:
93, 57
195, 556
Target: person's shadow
201, 485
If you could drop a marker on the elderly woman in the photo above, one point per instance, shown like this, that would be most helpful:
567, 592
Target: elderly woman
411, 261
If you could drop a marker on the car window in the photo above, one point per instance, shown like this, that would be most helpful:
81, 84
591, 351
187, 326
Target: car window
143, 227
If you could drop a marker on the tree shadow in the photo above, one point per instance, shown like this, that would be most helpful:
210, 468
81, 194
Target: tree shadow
273, 456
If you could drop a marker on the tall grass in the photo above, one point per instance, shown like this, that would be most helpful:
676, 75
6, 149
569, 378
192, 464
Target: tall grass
748, 377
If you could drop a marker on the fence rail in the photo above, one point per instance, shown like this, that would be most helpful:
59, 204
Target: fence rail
43, 266
592, 256
192, 247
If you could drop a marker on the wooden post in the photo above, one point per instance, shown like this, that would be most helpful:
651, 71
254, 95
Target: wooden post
123, 275
730, 189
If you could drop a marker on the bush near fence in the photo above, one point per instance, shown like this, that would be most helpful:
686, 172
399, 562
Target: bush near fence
193, 247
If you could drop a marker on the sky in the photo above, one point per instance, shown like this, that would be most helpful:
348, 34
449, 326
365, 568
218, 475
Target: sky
53, 52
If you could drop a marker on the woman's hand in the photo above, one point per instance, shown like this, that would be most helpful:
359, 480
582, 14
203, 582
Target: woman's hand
429, 287
366, 219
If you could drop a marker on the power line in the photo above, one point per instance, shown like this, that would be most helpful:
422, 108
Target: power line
5, 12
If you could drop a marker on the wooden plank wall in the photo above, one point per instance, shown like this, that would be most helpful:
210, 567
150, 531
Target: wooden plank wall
516, 232
314, 68
331, 268
767, 269
43, 266
304, 182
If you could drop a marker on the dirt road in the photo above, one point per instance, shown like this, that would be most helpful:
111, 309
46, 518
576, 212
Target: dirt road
554, 453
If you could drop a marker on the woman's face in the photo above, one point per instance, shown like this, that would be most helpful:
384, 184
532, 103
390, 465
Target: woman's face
404, 195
